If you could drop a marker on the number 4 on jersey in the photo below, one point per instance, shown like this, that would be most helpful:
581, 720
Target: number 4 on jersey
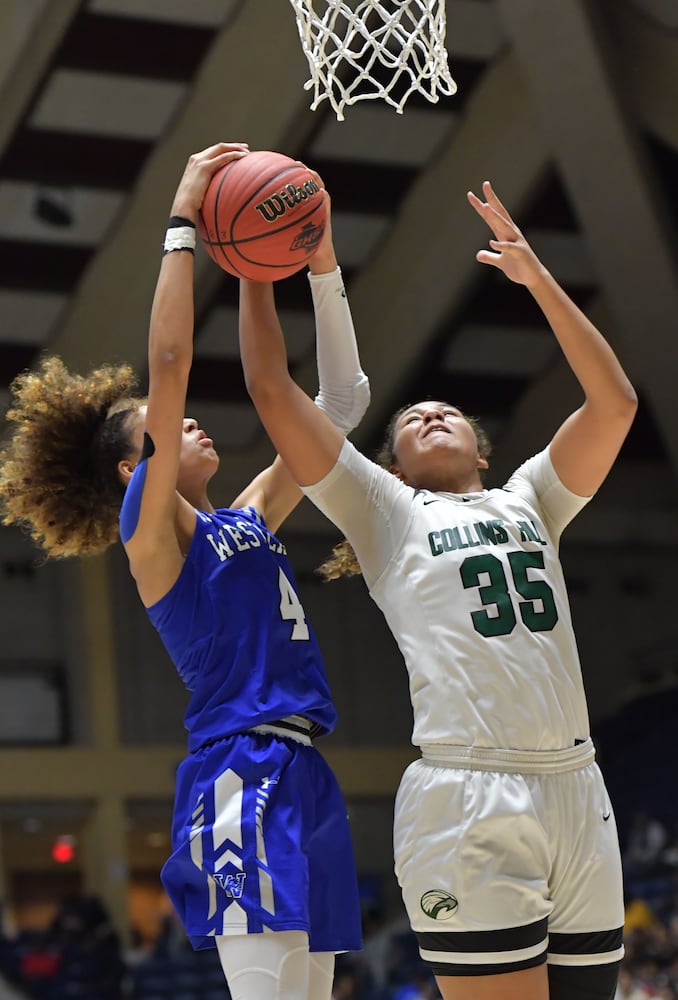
291, 609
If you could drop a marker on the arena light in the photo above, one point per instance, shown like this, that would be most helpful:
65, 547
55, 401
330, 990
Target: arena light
63, 849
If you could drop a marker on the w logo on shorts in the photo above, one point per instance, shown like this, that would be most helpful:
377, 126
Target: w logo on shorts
438, 904
233, 885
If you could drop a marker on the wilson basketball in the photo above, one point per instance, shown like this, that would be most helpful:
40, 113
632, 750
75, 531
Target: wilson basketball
262, 217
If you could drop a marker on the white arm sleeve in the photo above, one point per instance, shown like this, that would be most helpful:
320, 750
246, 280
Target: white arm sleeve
344, 389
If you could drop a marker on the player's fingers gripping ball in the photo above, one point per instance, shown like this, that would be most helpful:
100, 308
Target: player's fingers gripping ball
263, 216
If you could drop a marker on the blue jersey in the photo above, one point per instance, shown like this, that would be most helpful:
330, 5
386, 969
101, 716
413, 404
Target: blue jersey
260, 834
235, 628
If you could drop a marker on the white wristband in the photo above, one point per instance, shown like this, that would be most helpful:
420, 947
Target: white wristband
179, 238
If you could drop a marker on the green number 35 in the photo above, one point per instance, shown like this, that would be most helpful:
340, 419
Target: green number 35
537, 609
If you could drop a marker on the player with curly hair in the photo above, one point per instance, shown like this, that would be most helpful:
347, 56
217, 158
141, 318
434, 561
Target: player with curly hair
260, 833
59, 474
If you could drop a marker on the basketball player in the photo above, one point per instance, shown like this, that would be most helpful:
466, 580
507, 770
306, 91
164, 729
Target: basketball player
505, 844
260, 832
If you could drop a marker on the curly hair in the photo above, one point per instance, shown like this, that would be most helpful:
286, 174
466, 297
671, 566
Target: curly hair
343, 561
58, 469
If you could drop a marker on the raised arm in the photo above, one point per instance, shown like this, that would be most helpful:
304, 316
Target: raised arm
153, 547
304, 437
343, 392
587, 443
343, 387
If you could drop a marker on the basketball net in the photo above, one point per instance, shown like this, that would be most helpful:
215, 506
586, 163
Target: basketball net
361, 50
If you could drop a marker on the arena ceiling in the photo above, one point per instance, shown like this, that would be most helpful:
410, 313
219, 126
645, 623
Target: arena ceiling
569, 108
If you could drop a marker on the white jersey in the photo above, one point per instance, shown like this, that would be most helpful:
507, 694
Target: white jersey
473, 591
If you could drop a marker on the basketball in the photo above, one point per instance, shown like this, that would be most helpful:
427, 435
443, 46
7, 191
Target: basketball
262, 217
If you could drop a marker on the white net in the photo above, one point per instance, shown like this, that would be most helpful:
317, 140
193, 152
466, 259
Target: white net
361, 50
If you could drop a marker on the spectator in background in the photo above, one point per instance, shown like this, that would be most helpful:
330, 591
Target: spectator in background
351, 979
645, 843
628, 989
669, 854
419, 985
83, 934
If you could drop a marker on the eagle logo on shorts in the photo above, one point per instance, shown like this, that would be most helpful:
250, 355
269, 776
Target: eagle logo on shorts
438, 904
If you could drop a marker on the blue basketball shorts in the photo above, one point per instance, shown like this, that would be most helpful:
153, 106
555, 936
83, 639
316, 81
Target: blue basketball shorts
261, 842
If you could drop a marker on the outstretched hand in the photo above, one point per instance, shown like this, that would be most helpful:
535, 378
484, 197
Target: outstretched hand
510, 251
200, 169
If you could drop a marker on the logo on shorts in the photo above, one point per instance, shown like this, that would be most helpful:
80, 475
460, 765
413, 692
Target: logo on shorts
233, 885
438, 904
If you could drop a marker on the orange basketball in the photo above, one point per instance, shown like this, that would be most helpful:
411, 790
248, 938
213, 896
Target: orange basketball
262, 217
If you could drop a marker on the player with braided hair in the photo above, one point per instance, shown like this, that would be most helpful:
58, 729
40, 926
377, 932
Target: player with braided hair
260, 833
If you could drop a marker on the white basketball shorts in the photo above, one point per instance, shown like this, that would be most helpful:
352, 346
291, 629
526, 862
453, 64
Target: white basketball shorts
502, 869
